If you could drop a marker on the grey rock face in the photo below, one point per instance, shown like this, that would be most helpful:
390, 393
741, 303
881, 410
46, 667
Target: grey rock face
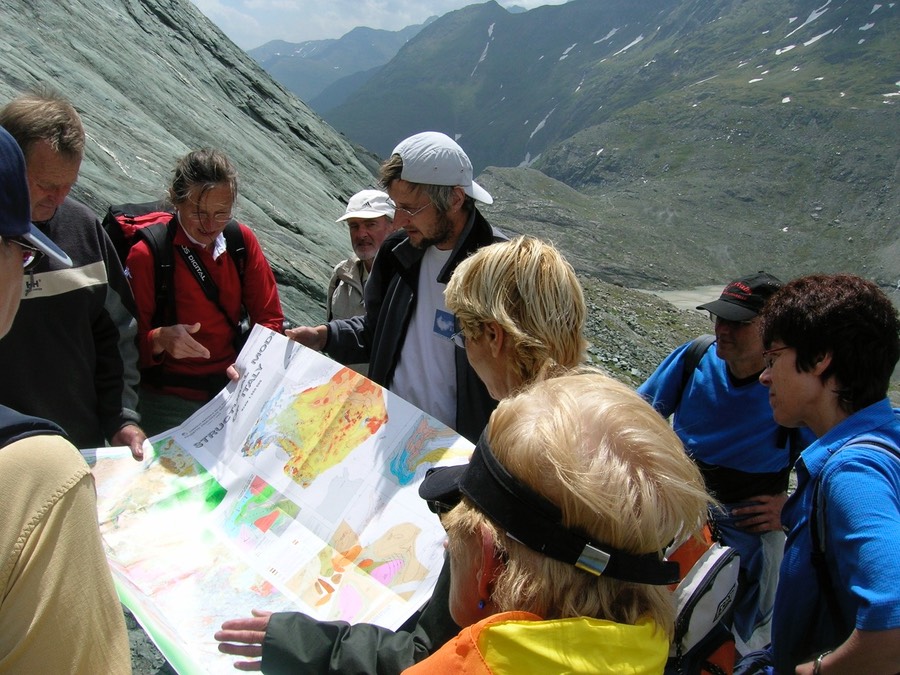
153, 80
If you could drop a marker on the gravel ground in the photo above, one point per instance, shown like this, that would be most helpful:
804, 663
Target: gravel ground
145, 657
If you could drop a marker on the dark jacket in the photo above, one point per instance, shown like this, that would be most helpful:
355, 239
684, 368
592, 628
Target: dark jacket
390, 295
70, 355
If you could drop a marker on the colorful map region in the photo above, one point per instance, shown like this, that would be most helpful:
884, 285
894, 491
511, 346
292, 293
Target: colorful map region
318, 427
349, 578
260, 511
172, 476
428, 442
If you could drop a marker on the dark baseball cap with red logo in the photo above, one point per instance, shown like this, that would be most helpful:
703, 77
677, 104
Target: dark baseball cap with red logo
743, 298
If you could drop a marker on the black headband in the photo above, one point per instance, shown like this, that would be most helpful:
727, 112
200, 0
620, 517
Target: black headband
533, 520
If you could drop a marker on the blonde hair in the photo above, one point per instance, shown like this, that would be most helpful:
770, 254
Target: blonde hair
531, 291
618, 473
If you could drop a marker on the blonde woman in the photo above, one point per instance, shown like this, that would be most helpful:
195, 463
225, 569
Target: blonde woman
556, 547
520, 313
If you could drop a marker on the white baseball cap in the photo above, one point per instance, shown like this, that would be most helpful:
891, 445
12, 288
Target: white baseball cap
368, 204
433, 158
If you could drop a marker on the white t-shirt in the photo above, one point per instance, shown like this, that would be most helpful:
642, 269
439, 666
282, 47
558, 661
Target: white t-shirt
426, 373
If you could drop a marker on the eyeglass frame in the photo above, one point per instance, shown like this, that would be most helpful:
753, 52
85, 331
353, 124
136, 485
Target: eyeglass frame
31, 256
459, 338
767, 359
409, 214
204, 217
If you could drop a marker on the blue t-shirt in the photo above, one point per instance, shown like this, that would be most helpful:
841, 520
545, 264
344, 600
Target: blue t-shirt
860, 489
721, 421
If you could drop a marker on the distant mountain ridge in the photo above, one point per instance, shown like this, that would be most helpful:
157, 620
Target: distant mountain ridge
703, 138
307, 68
515, 84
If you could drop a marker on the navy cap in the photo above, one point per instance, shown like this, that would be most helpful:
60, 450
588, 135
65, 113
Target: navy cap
743, 298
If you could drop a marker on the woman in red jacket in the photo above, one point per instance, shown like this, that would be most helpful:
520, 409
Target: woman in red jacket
186, 348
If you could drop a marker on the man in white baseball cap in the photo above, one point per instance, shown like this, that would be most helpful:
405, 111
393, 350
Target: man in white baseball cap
406, 333
411, 337
370, 218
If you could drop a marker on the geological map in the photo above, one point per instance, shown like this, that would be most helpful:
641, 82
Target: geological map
295, 488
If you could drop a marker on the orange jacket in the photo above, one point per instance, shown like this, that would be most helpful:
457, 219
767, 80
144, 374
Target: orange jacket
521, 642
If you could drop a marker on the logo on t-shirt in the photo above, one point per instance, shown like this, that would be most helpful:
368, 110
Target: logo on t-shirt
444, 323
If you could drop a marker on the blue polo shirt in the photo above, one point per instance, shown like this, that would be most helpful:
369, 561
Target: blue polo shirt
721, 421
860, 485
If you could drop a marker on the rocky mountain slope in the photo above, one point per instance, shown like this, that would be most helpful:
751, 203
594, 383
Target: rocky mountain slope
170, 82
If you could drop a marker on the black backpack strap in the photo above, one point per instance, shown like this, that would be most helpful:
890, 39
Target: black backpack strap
234, 244
14, 426
236, 248
159, 238
692, 357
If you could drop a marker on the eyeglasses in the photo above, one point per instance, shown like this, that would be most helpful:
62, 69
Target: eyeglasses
410, 214
192, 211
459, 339
217, 218
767, 355
31, 256
728, 322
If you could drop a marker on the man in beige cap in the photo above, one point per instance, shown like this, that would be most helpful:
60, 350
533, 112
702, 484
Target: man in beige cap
407, 332
370, 218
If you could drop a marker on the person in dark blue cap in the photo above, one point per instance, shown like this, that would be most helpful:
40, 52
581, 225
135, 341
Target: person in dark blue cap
721, 413
59, 611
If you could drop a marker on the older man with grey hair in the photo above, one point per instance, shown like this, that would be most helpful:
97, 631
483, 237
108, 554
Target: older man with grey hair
370, 218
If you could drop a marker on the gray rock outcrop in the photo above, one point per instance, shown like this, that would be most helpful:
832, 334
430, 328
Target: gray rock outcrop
154, 79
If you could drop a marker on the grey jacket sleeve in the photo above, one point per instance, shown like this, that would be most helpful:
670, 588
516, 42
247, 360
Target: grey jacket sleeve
297, 643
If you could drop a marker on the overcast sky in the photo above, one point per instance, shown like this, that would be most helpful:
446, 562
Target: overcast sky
251, 23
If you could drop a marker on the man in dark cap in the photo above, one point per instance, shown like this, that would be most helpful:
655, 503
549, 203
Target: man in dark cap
722, 415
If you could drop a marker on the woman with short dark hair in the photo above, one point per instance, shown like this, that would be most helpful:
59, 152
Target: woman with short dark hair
831, 344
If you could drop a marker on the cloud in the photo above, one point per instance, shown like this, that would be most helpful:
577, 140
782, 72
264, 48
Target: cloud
251, 23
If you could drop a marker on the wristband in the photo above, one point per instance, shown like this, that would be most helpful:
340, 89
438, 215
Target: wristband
817, 667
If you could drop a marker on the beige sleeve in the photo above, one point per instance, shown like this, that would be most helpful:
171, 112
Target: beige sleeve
58, 609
